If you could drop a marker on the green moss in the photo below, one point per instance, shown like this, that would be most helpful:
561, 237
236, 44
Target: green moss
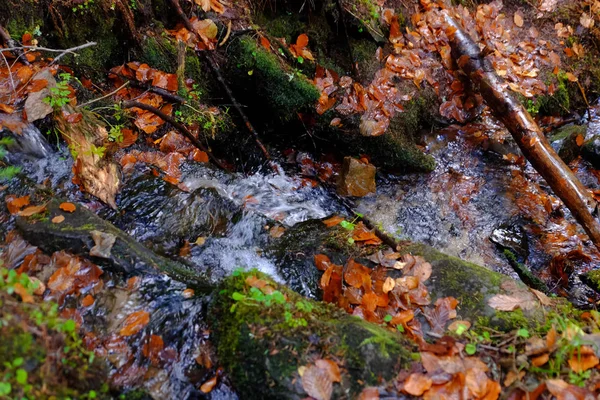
524, 273
269, 82
160, 53
262, 352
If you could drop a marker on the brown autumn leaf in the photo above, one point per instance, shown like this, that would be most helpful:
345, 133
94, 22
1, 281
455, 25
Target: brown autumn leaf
503, 302
209, 385
152, 348
540, 360
417, 384
333, 221
512, 377
331, 368
422, 270
388, 284
551, 338
14, 204
564, 391
32, 210
26, 297
571, 77
135, 322
322, 262
518, 19
58, 219
586, 20
544, 300
369, 393
453, 327
583, 359
317, 383
87, 300
68, 207
6, 109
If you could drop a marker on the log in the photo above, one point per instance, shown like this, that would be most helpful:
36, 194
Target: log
523, 129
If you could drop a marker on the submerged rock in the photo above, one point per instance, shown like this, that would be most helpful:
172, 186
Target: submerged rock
568, 141
357, 178
591, 151
511, 236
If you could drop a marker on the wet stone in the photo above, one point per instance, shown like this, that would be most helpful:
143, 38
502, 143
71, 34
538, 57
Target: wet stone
511, 236
591, 151
357, 178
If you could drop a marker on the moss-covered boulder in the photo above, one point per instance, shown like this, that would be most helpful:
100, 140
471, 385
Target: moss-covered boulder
267, 83
84, 233
265, 334
41, 354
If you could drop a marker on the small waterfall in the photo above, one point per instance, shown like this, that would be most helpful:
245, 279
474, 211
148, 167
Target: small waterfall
31, 143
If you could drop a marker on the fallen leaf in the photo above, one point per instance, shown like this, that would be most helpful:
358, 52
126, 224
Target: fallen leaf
583, 359
544, 300
333, 221
103, 243
332, 369
19, 289
388, 285
503, 302
58, 219
454, 326
276, 231
87, 301
32, 210
317, 383
209, 385
417, 384
540, 360
135, 322
68, 207
14, 204
571, 77
518, 19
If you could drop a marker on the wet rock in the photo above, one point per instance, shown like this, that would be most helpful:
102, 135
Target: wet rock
511, 236
162, 216
262, 348
568, 141
591, 151
357, 178
592, 279
78, 234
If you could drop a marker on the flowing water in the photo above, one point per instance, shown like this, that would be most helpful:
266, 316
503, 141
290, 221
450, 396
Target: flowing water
456, 209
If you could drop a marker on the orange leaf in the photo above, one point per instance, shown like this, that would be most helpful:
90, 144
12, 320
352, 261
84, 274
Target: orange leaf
417, 384
58, 219
265, 43
26, 297
87, 300
209, 385
134, 323
335, 220
322, 262
583, 359
6, 109
302, 41
332, 369
540, 360
14, 204
200, 156
68, 207
152, 348
29, 211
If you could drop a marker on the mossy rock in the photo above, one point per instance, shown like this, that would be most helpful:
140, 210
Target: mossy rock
74, 235
473, 286
396, 149
263, 343
41, 355
267, 83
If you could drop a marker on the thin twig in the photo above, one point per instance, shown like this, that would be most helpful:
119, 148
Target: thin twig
10, 75
180, 127
103, 97
162, 92
10, 42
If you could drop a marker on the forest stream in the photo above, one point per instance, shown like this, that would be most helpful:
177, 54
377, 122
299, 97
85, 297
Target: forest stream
297, 200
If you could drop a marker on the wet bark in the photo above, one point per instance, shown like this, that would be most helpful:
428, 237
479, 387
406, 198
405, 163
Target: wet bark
524, 130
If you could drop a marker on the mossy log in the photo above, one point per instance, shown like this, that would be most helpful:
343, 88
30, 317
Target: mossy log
262, 345
76, 234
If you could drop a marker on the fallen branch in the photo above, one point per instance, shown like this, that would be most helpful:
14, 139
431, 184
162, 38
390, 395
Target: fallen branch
103, 97
215, 69
524, 130
180, 127
63, 52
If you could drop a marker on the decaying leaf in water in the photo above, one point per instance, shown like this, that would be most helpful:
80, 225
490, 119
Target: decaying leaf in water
103, 244
135, 322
